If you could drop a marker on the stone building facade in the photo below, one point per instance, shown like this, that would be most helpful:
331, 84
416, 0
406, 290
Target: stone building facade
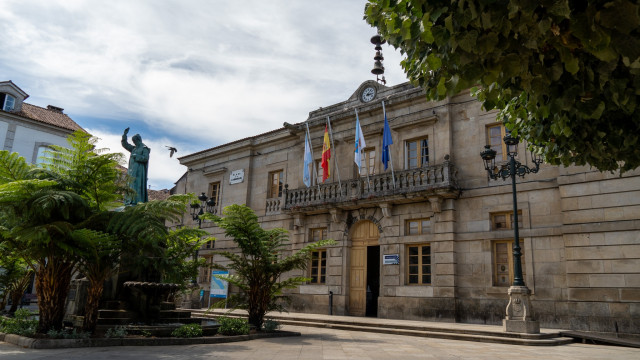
28, 129
431, 240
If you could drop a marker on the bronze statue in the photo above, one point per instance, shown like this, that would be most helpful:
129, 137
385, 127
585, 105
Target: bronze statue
138, 168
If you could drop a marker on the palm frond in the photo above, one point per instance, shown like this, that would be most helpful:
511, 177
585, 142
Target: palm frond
12, 167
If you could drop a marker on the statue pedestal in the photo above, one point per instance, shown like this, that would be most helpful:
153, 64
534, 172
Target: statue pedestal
519, 312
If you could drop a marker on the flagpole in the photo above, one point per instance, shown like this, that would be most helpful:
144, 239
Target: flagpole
335, 159
313, 164
393, 176
365, 159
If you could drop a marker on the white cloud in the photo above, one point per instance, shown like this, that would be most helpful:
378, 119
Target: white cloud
164, 171
198, 71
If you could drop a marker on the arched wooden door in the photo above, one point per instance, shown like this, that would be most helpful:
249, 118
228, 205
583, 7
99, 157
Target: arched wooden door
365, 233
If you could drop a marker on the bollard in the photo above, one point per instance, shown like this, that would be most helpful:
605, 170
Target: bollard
330, 302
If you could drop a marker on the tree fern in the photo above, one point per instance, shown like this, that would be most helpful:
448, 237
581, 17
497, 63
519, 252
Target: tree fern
12, 167
257, 268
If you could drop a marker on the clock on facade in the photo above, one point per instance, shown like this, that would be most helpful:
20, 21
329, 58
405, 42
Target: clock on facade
368, 94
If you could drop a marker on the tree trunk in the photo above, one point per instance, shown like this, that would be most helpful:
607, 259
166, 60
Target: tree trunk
52, 287
21, 286
16, 298
94, 293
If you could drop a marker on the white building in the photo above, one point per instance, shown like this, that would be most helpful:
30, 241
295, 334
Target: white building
28, 129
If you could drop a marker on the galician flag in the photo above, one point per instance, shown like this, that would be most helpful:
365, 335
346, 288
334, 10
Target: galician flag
326, 155
308, 159
360, 144
386, 141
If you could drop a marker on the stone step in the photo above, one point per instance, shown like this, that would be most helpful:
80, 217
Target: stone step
175, 314
413, 329
110, 314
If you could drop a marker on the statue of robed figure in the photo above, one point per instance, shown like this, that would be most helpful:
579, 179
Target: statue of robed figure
138, 168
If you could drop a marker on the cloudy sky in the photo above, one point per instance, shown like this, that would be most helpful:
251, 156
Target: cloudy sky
192, 74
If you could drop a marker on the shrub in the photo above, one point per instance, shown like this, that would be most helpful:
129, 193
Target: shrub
63, 334
116, 332
271, 325
233, 326
20, 324
188, 331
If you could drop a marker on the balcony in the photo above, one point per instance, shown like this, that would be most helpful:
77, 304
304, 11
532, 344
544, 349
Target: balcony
410, 186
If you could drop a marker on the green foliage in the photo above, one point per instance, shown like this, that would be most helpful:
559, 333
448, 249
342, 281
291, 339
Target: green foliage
257, 269
565, 75
116, 332
22, 323
58, 218
87, 171
14, 275
271, 325
188, 331
232, 326
65, 334
181, 244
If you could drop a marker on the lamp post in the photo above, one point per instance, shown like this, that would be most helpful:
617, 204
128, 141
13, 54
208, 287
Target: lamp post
518, 317
206, 205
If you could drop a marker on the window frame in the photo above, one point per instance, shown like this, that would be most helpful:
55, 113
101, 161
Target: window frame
5, 102
508, 220
272, 183
420, 265
318, 261
510, 270
501, 147
422, 230
215, 189
420, 148
366, 157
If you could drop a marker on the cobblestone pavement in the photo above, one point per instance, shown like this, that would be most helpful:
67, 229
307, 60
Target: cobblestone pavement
321, 343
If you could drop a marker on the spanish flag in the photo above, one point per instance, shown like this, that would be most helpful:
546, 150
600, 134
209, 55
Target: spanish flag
326, 155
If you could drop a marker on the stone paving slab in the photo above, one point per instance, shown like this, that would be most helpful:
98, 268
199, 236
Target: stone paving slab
327, 344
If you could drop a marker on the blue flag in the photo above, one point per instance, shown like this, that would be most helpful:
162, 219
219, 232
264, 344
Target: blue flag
308, 159
386, 141
359, 144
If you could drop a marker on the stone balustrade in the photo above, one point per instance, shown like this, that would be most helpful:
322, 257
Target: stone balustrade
273, 206
425, 181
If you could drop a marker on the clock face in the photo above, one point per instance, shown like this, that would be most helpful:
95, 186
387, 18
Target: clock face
368, 94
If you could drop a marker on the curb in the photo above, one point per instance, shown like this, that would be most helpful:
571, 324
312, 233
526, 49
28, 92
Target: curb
30, 343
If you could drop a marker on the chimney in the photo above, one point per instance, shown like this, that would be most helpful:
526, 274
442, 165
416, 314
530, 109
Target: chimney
55, 108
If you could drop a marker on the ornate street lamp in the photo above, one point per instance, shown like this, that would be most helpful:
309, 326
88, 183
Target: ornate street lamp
518, 317
206, 205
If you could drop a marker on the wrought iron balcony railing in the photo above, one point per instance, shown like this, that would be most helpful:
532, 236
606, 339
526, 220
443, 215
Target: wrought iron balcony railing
425, 181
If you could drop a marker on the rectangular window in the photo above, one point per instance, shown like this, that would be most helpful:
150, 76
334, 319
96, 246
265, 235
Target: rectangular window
318, 234
495, 135
419, 264
319, 171
276, 182
7, 101
368, 162
503, 262
318, 268
417, 226
209, 244
504, 220
417, 153
214, 192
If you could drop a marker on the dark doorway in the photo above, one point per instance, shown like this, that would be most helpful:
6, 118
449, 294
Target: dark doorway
373, 280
